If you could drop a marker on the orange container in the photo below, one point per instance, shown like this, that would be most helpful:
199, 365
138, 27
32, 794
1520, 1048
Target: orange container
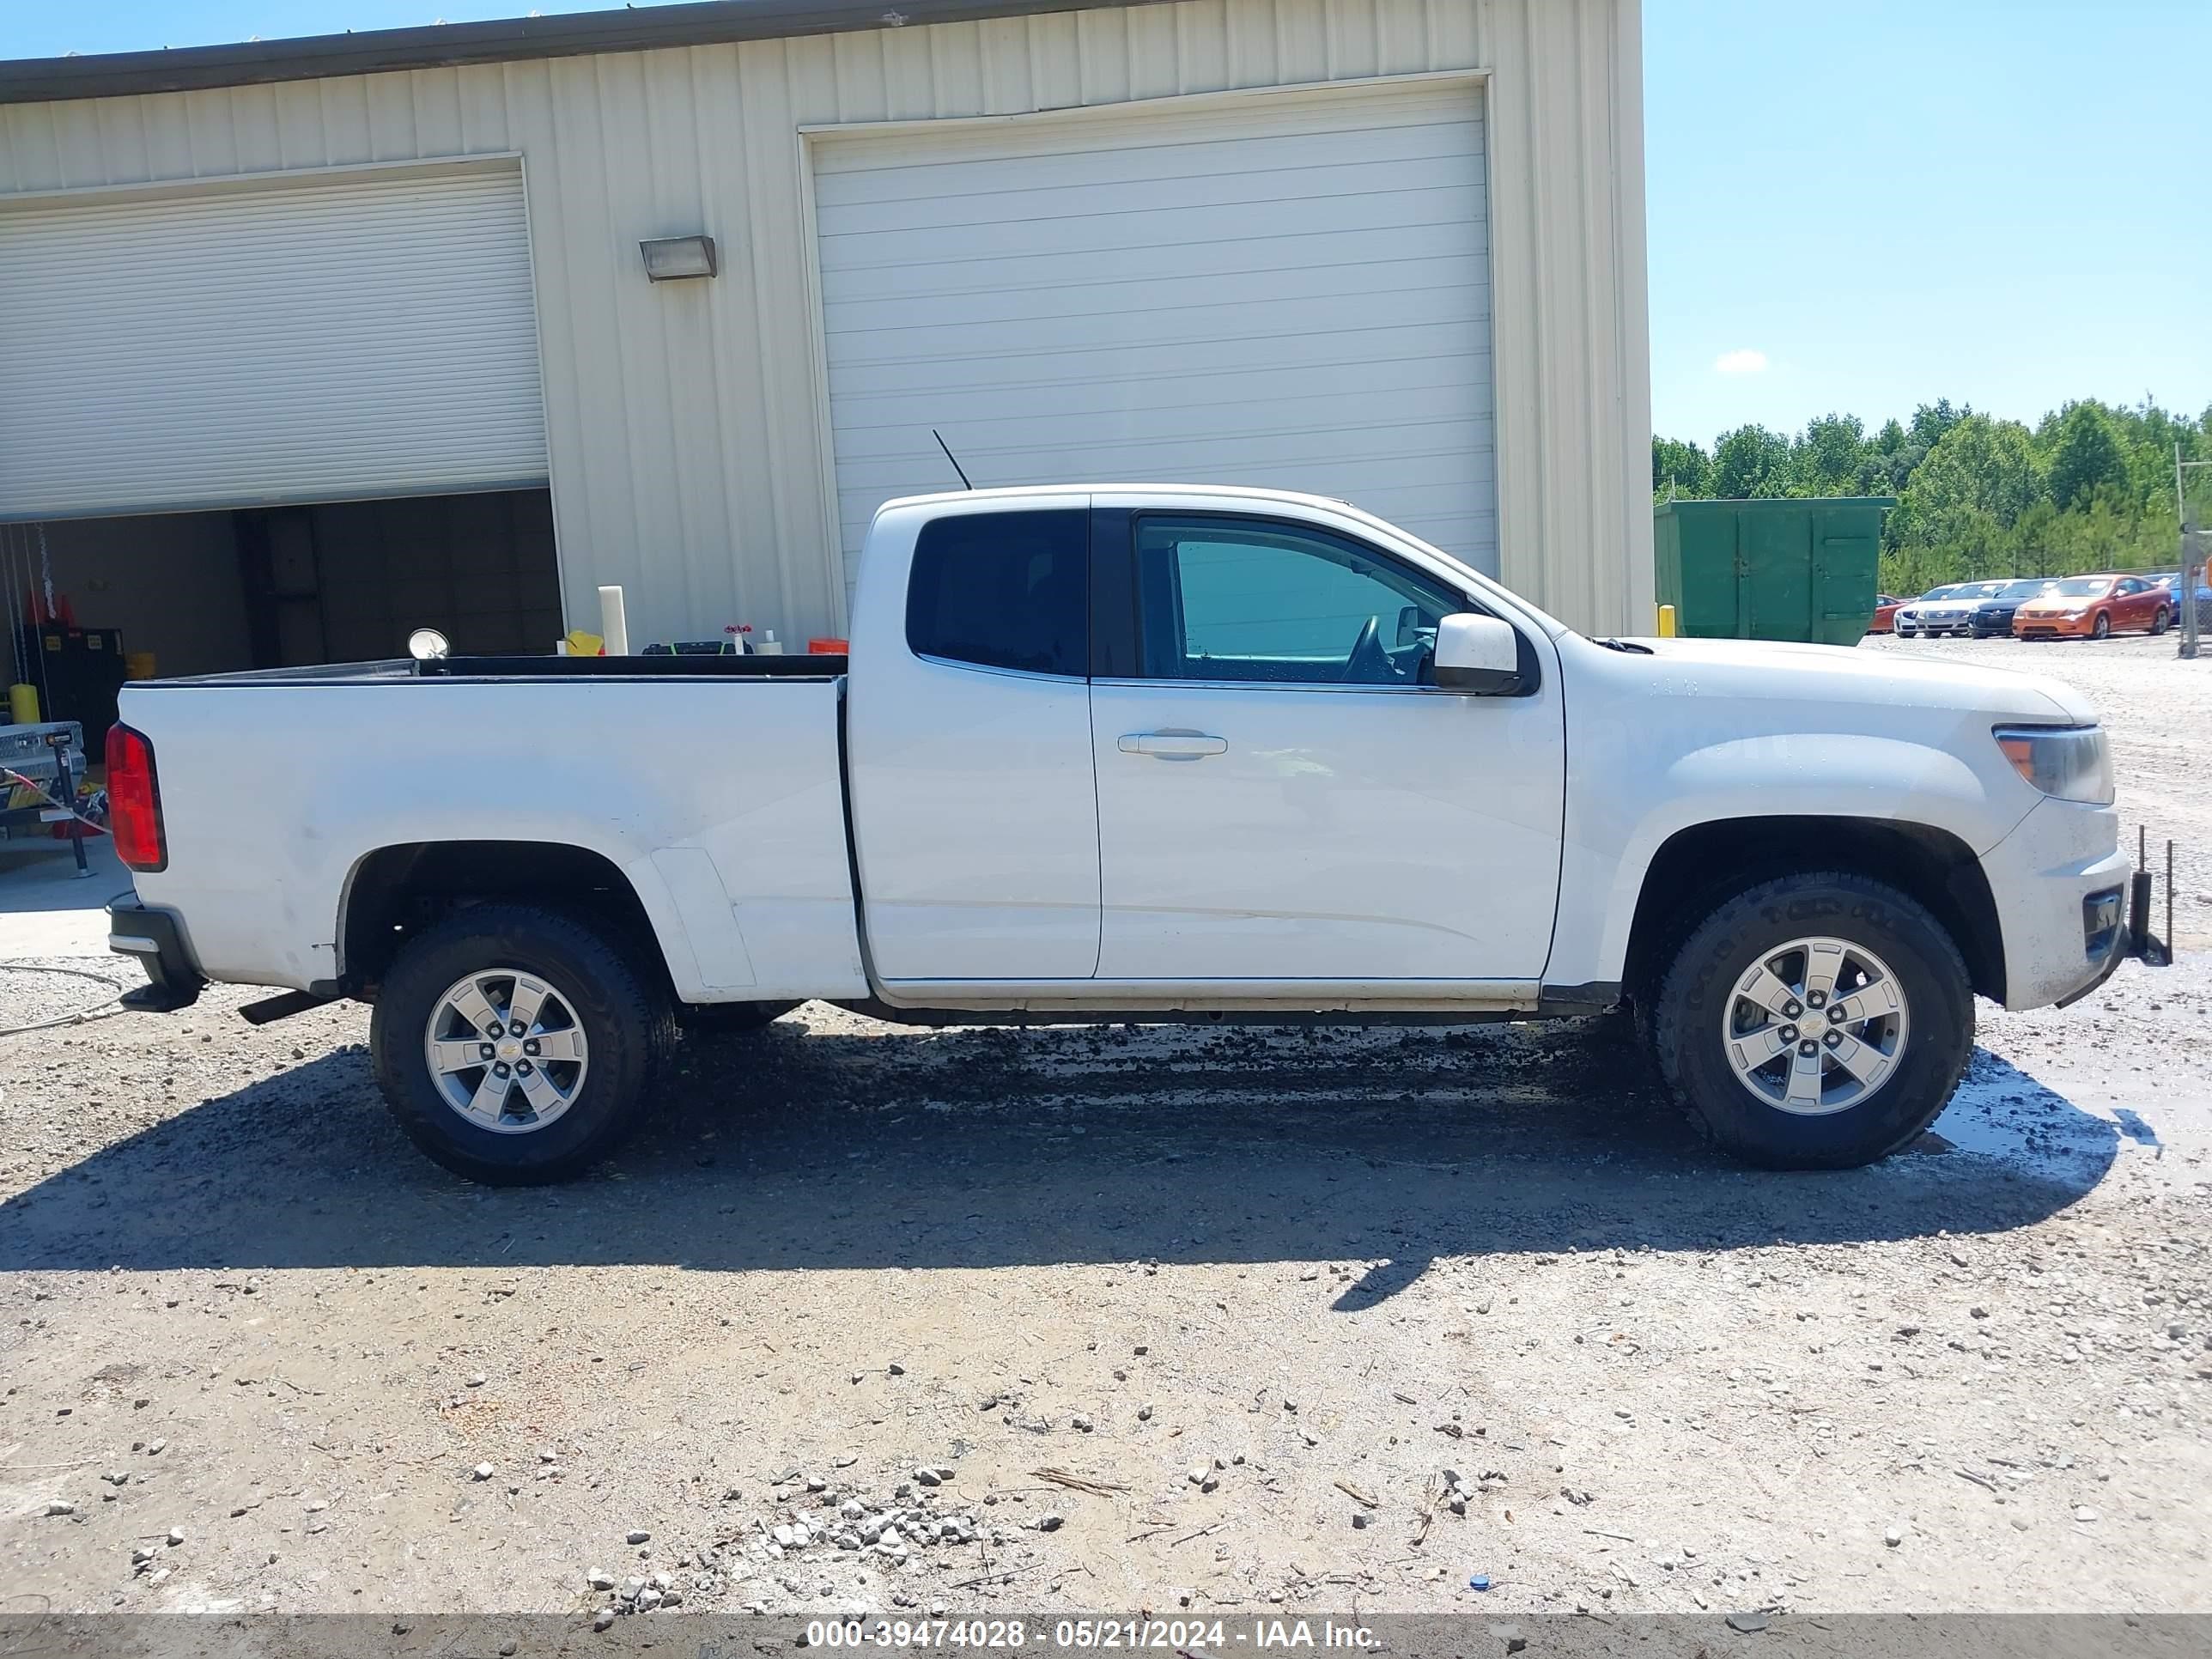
828, 648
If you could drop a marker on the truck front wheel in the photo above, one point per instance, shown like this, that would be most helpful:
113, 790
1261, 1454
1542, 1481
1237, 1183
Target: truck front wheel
1816, 1022
515, 1044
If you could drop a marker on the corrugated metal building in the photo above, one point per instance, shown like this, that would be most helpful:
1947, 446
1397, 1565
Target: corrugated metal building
305, 343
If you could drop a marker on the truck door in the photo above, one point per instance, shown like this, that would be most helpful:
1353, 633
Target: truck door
975, 820
1282, 799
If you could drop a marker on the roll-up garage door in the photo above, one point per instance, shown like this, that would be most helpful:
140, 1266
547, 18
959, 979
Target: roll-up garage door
1289, 290
219, 347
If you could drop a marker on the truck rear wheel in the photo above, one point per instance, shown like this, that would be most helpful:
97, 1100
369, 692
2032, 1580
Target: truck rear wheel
515, 1045
1816, 1022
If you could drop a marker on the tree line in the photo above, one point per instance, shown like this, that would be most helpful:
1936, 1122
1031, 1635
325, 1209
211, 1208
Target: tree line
2089, 487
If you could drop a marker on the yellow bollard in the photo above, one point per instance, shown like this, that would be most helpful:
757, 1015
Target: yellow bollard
1666, 622
23, 704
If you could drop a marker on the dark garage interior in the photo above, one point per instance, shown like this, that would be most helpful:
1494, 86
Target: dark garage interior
289, 586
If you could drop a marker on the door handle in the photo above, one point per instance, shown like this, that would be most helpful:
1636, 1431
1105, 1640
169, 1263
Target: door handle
1171, 746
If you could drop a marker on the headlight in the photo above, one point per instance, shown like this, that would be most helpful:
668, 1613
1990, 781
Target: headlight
2073, 762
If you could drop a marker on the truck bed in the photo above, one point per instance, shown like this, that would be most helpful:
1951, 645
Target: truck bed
711, 786
657, 666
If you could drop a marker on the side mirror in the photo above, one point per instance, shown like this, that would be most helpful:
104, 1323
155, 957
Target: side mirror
1478, 655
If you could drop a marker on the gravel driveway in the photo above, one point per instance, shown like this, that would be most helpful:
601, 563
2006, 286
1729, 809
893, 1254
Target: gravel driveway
1105, 1319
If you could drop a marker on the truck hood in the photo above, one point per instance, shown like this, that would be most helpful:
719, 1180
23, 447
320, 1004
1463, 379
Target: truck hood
1766, 669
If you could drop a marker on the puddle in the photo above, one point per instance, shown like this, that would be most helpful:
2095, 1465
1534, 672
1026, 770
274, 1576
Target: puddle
2001, 1112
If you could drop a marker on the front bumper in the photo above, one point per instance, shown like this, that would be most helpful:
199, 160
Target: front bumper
2058, 947
153, 939
2108, 960
2058, 628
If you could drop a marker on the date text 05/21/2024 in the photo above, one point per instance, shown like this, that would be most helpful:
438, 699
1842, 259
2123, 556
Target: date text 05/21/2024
1140, 1633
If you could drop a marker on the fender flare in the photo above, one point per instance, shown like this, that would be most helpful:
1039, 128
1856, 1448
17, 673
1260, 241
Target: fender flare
1824, 775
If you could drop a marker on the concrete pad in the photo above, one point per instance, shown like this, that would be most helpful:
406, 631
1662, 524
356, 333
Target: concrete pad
46, 909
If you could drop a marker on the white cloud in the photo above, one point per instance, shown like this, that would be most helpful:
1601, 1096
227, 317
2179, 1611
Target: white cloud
1740, 362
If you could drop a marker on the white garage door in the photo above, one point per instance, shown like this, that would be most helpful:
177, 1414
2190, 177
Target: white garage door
1290, 291
213, 348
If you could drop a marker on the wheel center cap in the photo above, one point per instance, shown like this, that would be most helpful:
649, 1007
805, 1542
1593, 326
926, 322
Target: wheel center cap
509, 1049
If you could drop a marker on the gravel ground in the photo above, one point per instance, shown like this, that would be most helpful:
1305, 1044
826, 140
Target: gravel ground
1071, 1320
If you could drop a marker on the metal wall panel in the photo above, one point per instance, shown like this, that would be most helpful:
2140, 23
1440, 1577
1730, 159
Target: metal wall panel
684, 421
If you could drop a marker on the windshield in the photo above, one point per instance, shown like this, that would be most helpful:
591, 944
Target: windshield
2026, 590
2082, 587
1940, 592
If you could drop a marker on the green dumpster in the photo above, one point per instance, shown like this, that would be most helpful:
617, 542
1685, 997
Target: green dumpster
1800, 569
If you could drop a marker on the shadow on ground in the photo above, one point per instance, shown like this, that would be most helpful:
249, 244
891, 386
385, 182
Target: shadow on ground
886, 1148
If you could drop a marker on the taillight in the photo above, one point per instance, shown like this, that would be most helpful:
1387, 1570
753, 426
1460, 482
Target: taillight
134, 801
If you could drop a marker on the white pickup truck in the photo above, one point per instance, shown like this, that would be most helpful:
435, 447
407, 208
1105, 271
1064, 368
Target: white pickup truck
1152, 753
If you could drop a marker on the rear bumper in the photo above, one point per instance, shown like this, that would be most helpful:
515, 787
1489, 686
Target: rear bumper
153, 939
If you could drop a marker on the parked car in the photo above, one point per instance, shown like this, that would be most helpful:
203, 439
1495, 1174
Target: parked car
2091, 607
1158, 753
1942, 611
1885, 613
1994, 615
2202, 598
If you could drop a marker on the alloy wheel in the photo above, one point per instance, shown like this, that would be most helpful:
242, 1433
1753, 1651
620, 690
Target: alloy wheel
1816, 1026
506, 1050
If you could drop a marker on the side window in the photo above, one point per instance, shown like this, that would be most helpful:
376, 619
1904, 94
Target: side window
1272, 603
1003, 590
2132, 586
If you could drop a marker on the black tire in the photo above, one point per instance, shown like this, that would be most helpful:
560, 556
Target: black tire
1693, 1000
624, 1022
2158, 620
2101, 629
730, 1018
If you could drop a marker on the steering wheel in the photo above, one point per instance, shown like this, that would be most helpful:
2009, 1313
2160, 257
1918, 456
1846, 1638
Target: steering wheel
1368, 663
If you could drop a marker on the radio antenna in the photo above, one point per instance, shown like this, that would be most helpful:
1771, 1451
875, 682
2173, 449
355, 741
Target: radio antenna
951, 457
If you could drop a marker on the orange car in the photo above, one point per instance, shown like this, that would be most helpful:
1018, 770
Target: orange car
1885, 614
2091, 607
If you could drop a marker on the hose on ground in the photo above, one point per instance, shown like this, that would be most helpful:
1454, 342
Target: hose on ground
96, 1011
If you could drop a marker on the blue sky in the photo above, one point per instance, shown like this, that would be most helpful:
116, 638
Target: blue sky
2003, 202
1857, 207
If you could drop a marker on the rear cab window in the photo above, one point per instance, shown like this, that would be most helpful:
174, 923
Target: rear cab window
1008, 591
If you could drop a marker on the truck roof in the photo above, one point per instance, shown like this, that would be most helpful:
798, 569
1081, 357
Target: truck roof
1244, 491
